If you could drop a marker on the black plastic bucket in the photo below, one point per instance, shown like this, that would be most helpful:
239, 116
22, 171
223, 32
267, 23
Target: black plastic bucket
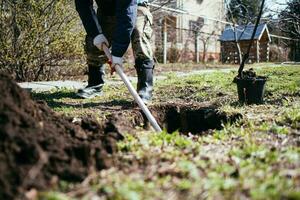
251, 91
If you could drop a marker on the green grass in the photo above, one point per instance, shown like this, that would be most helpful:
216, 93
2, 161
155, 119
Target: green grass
257, 157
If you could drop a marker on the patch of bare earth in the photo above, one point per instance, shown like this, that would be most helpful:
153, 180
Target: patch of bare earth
38, 146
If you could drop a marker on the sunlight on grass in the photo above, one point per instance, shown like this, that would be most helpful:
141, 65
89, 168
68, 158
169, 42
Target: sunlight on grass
257, 157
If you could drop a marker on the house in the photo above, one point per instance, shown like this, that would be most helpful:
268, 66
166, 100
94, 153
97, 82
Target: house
189, 31
242, 34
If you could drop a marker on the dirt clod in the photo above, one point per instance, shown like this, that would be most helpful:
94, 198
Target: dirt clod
37, 145
248, 75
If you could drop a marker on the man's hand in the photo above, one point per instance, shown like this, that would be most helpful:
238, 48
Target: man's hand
116, 61
99, 40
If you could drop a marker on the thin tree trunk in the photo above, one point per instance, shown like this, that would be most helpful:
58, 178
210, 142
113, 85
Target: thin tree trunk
246, 56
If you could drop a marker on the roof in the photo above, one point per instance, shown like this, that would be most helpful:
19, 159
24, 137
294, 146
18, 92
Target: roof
244, 33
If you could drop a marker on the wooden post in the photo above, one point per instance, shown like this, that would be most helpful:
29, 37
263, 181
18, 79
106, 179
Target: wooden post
221, 53
197, 46
297, 51
257, 52
268, 52
165, 40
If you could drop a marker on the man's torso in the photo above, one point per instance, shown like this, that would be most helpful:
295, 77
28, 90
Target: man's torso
108, 7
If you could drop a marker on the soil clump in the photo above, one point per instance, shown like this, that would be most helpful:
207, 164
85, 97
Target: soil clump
38, 146
248, 75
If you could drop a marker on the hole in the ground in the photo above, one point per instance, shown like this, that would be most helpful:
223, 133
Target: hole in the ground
191, 119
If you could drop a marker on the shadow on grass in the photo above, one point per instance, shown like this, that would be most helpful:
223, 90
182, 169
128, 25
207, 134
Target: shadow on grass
46, 96
52, 100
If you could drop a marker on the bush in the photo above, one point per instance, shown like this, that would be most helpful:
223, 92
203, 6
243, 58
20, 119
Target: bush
38, 38
173, 55
278, 54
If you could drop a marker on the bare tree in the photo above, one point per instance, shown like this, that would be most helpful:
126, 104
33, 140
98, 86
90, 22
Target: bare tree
289, 24
290, 19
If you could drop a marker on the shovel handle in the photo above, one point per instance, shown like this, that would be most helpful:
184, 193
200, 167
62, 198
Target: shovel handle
133, 92
107, 52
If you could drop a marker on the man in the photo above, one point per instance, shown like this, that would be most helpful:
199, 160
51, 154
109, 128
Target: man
118, 25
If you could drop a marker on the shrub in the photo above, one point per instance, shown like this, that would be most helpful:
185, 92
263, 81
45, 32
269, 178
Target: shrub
173, 55
278, 54
37, 38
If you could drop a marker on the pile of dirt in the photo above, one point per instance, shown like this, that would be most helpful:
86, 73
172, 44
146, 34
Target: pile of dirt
37, 146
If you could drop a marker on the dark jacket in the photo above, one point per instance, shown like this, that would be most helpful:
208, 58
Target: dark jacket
125, 12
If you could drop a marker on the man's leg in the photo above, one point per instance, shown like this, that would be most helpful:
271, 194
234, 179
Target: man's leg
95, 63
142, 48
96, 60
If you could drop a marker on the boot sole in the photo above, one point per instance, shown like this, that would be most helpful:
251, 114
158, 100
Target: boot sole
90, 96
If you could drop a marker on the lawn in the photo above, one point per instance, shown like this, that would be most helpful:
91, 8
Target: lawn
255, 157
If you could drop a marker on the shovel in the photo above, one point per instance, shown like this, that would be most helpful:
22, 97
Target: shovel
132, 91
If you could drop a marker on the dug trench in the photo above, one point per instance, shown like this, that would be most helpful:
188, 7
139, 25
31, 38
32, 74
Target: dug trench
38, 147
185, 118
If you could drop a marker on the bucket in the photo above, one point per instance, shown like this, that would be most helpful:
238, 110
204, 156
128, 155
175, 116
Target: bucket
251, 91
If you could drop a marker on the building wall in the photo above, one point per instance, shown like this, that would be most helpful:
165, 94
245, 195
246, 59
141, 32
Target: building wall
181, 29
209, 30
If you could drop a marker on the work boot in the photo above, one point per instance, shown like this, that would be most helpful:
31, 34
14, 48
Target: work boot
145, 79
95, 83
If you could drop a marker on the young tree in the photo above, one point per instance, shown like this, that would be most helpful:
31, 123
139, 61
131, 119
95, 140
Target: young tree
246, 55
242, 12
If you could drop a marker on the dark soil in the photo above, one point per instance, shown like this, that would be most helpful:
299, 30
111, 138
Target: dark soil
249, 75
38, 146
